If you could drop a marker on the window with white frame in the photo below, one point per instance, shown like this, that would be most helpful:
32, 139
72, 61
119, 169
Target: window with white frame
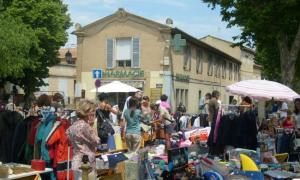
182, 96
123, 52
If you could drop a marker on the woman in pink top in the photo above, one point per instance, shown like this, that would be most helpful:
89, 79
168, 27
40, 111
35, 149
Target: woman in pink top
164, 104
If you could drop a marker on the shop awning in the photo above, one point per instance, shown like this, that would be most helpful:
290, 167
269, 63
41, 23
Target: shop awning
116, 87
262, 89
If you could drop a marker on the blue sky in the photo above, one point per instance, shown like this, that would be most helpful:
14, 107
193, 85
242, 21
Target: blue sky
192, 16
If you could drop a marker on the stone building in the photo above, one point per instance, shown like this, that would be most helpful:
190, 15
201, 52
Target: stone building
249, 69
62, 77
154, 57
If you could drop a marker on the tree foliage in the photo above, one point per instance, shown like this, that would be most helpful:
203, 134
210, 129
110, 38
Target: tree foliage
45, 23
272, 27
18, 47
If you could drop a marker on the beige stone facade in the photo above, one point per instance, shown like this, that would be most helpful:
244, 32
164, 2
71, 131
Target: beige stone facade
62, 77
249, 70
142, 53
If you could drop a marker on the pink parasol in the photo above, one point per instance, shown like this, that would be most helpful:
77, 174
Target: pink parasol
262, 90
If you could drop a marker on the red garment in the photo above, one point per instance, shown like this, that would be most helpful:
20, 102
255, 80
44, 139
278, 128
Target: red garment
33, 129
58, 143
288, 123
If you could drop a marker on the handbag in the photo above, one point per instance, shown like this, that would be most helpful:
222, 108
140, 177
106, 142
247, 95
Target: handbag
104, 127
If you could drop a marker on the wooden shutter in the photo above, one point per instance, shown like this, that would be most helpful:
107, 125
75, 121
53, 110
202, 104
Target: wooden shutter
210, 65
187, 58
199, 61
224, 69
135, 52
109, 53
190, 57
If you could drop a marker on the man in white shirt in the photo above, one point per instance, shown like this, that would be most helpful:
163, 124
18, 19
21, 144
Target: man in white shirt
203, 105
283, 110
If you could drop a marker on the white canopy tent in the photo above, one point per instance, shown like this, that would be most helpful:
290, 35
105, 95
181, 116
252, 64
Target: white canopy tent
116, 87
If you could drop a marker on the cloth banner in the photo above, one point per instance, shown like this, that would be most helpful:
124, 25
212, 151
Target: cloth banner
201, 133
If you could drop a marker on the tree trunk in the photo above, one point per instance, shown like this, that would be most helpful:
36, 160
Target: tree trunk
28, 98
288, 57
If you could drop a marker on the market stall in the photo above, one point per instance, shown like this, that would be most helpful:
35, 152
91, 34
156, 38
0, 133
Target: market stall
21, 171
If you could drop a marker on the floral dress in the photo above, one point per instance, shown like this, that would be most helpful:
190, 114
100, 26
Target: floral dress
84, 142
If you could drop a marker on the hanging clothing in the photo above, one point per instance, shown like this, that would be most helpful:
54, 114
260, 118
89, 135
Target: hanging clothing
20, 142
8, 124
42, 134
217, 125
59, 143
228, 130
285, 141
247, 134
183, 121
195, 121
239, 131
30, 145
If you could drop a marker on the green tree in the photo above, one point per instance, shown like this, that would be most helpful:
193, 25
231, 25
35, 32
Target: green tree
273, 27
48, 21
18, 47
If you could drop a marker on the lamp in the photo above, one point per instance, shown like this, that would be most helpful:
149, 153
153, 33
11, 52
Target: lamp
68, 57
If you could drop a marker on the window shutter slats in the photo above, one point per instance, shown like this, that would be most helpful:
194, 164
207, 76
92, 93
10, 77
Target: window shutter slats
135, 52
109, 53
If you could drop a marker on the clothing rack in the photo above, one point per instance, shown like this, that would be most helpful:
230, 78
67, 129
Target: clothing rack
231, 105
